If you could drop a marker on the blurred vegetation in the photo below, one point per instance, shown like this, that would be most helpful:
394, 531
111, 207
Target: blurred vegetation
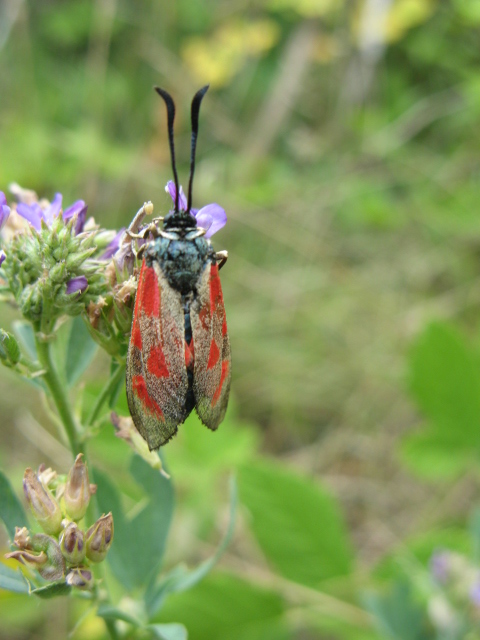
343, 140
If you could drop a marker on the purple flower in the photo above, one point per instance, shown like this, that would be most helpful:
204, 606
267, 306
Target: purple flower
77, 285
211, 217
113, 247
78, 208
34, 214
125, 256
440, 563
2, 257
4, 209
475, 593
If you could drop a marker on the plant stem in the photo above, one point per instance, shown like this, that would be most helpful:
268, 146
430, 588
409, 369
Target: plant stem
106, 391
59, 395
112, 629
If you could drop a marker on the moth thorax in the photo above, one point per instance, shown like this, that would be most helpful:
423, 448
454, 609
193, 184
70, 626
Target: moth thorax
179, 220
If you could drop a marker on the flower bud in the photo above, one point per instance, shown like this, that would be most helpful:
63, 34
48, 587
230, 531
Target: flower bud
22, 538
80, 577
46, 475
77, 490
99, 538
9, 349
43, 505
58, 272
75, 260
72, 544
54, 568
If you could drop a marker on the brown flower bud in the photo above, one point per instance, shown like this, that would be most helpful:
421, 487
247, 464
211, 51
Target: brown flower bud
99, 538
80, 577
77, 490
22, 538
43, 505
72, 544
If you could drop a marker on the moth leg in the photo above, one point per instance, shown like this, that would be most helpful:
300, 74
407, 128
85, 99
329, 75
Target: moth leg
221, 257
145, 210
138, 254
151, 229
197, 233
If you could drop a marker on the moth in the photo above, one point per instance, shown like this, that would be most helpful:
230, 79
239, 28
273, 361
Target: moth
179, 352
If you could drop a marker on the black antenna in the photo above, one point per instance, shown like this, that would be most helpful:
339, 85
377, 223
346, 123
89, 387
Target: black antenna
197, 100
170, 118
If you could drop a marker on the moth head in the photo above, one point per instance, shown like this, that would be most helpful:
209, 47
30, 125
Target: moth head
179, 220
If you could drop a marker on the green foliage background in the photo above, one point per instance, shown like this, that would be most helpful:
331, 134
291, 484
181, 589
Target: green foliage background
343, 140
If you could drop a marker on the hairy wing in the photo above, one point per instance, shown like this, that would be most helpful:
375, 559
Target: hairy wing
157, 381
212, 360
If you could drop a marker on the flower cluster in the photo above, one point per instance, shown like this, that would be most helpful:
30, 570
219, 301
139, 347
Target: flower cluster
457, 591
58, 262
50, 257
65, 551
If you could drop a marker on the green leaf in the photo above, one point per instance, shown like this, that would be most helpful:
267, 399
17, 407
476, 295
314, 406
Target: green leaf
322, 625
170, 631
445, 381
297, 524
81, 350
157, 591
53, 590
468, 10
108, 612
180, 579
11, 509
12, 580
119, 556
152, 524
24, 332
223, 606
430, 456
118, 388
139, 543
397, 615
204, 454
193, 577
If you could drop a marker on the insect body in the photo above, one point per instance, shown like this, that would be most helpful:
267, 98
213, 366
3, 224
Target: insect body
179, 351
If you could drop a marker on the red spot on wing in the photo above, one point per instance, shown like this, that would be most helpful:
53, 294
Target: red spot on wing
148, 292
141, 391
156, 364
216, 396
215, 289
136, 334
214, 355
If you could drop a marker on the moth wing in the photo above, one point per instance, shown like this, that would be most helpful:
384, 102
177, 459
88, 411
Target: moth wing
157, 381
211, 345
